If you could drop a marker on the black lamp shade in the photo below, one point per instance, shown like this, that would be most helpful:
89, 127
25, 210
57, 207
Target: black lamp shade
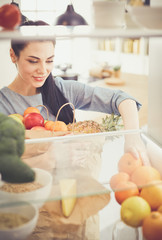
23, 18
70, 18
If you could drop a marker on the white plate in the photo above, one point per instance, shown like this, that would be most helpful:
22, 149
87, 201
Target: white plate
146, 16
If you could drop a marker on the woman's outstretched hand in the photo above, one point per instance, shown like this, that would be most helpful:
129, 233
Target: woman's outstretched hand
133, 142
135, 145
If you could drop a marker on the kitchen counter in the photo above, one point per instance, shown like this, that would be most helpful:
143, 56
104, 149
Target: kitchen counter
135, 85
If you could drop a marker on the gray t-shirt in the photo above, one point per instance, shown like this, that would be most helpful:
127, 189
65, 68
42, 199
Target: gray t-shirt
82, 96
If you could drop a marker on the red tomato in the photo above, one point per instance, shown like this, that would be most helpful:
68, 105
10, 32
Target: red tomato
10, 16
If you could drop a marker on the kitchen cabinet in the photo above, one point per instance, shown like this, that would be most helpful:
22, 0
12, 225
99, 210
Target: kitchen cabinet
130, 54
90, 158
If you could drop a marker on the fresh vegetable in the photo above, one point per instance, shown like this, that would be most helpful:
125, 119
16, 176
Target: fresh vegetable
10, 16
10, 128
12, 168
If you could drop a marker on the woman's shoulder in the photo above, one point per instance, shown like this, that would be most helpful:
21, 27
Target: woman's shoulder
68, 84
61, 81
4, 91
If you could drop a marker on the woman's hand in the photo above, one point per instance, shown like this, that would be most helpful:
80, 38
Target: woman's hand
135, 145
133, 142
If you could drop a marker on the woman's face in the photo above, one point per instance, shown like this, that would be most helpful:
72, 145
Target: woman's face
35, 63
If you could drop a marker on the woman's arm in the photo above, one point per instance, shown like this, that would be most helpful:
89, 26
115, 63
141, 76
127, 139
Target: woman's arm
129, 113
133, 142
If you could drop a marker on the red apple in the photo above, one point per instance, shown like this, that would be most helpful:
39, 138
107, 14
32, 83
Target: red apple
33, 119
38, 128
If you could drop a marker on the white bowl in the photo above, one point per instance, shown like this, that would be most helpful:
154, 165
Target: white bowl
108, 14
146, 16
22, 232
38, 196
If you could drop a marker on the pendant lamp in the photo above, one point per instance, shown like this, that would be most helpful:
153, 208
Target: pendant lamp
70, 18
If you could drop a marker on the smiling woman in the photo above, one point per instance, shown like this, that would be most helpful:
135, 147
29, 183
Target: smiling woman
33, 66
34, 63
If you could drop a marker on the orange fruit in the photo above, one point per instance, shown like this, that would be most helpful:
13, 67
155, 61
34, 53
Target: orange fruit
144, 175
59, 126
153, 194
31, 110
49, 124
128, 163
117, 178
152, 226
125, 190
56, 126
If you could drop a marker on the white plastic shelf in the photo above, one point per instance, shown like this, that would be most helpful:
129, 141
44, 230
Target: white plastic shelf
51, 32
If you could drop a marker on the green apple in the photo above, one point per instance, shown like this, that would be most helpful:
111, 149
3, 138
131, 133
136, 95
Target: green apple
17, 117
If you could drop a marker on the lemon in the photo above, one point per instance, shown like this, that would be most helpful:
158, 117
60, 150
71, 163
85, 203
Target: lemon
134, 210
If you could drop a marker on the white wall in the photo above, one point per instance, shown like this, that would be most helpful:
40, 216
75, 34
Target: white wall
155, 86
7, 68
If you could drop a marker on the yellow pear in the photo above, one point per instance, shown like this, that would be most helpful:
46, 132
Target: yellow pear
68, 189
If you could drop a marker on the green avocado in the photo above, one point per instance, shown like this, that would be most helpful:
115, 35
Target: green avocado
12, 145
